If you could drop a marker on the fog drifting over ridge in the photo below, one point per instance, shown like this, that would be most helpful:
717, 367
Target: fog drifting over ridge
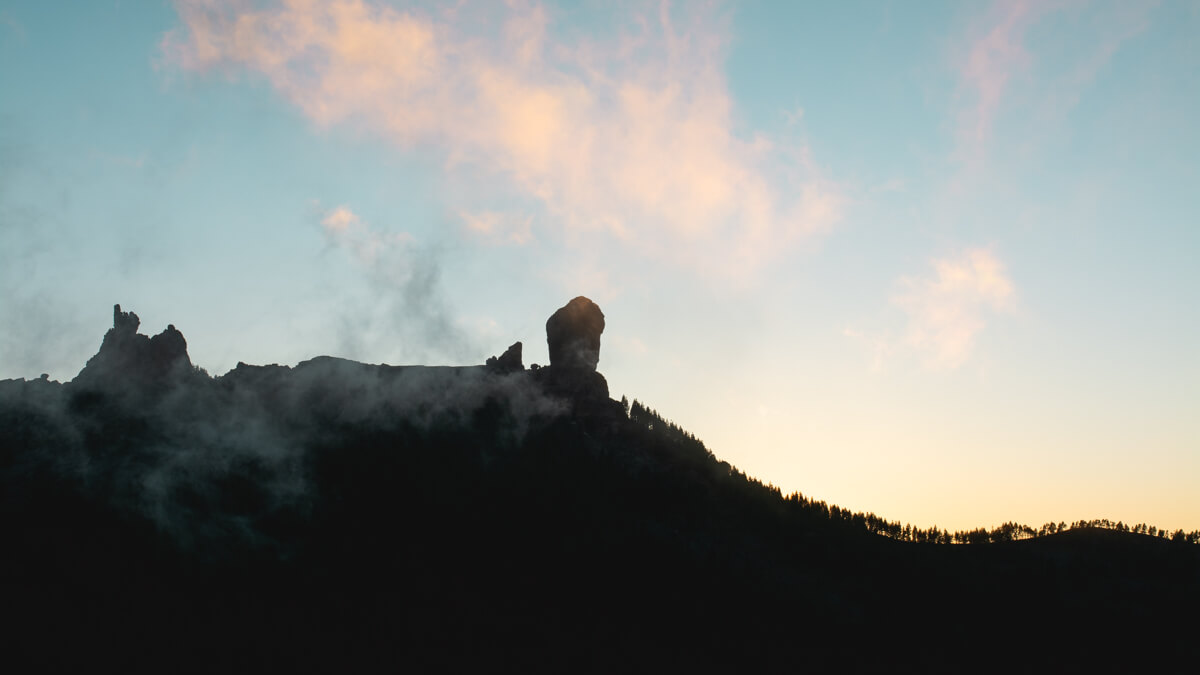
209, 460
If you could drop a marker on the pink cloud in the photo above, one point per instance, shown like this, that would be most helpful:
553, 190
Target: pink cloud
947, 311
340, 219
997, 57
993, 58
632, 137
498, 227
366, 244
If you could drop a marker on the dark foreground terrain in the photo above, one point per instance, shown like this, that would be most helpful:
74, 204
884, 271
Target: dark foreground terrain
343, 517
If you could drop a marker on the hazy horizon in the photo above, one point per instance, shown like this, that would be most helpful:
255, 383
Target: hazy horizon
935, 263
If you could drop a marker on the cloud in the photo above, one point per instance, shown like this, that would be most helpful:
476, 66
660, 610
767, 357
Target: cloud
994, 56
948, 311
997, 55
364, 243
407, 306
632, 136
499, 227
1109, 28
340, 219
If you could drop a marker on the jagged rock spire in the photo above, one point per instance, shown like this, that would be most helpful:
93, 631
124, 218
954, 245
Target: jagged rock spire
128, 358
125, 322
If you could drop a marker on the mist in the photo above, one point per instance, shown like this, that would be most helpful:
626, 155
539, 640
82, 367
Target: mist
209, 460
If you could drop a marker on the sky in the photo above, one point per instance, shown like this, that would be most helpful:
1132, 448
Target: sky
935, 261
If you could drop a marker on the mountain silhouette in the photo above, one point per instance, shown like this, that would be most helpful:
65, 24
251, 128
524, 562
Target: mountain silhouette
337, 515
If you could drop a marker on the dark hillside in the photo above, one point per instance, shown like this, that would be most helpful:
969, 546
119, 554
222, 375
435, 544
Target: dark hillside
345, 516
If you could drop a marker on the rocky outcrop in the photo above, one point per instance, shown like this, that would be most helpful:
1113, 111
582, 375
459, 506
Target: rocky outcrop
139, 368
125, 322
508, 362
583, 388
573, 335
168, 351
127, 357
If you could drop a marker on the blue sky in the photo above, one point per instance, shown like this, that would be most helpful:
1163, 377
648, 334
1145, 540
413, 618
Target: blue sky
934, 261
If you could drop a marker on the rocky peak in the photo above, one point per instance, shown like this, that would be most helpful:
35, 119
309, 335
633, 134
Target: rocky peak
128, 357
573, 335
125, 322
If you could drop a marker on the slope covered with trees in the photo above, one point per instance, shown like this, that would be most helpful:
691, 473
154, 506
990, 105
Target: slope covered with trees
1005, 532
338, 515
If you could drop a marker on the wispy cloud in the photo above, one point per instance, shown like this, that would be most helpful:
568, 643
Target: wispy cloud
406, 299
498, 227
632, 136
366, 244
949, 309
996, 54
1111, 26
944, 311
